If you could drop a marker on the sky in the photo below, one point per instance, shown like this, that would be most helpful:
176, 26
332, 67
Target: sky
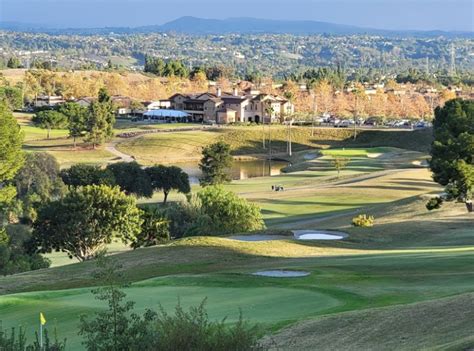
381, 14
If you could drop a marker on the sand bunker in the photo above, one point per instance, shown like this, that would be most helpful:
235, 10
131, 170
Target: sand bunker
258, 237
423, 163
279, 273
373, 155
318, 235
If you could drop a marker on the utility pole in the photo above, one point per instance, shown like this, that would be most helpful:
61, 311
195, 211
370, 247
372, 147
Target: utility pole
289, 137
356, 113
315, 111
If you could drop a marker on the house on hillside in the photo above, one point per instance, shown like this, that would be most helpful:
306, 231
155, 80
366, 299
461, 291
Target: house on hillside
48, 101
123, 104
222, 107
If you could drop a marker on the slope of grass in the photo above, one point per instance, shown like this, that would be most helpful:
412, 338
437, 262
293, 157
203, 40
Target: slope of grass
335, 285
155, 148
443, 324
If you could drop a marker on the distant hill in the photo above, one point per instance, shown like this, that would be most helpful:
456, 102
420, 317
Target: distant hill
243, 25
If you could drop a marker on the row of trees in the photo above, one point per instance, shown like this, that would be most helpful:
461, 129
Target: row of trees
325, 94
95, 123
162, 68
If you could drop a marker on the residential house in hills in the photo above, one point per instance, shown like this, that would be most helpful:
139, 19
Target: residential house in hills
222, 108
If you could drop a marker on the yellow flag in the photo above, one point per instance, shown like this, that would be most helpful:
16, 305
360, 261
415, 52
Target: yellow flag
42, 319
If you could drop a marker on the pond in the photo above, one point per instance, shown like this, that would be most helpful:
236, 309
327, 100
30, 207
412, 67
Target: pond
239, 170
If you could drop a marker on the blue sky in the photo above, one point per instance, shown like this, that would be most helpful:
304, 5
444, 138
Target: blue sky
383, 14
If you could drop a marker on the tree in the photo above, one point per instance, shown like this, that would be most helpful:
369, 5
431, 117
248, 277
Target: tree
11, 156
100, 121
14, 251
131, 178
229, 213
339, 163
14, 62
116, 328
13, 96
215, 162
167, 178
50, 120
77, 117
85, 221
37, 182
155, 228
82, 175
452, 151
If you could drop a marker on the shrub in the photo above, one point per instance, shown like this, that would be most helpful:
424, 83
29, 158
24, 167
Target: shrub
194, 331
120, 328
14, 252
154, 229
363, 220
434, 203
13, 341
229, 213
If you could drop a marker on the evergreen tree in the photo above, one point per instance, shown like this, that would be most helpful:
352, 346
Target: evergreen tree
452, 152
215, 162
100, 121
11, 156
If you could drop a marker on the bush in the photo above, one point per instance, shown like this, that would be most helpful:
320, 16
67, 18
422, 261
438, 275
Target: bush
120, 328
11, 341
434, 203
14, 252
194, 331
363, 220
155, 228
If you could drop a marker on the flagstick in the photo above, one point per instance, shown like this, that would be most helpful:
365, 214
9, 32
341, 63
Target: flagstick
41, 335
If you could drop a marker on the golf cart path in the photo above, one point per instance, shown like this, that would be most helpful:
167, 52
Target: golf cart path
111, 147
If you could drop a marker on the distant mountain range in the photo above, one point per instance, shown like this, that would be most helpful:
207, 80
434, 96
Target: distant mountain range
200, 26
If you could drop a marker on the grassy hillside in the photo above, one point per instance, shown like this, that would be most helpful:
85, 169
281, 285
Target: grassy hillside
434, 325
185, 146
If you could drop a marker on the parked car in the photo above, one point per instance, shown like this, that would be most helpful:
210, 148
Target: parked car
344, 124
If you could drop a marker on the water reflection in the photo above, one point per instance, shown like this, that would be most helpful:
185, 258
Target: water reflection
240, 169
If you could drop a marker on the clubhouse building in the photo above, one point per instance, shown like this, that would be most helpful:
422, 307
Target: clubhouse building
222, 108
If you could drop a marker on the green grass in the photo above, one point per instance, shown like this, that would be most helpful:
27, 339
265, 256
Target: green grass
401, 260
155, 148
434, 325
335, 285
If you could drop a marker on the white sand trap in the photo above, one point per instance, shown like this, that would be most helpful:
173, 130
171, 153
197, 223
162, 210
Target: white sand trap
258, 237
278, 273
318, 235
373, 154
423, 163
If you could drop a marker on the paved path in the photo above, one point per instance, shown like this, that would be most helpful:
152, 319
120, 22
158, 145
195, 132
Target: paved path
111, 147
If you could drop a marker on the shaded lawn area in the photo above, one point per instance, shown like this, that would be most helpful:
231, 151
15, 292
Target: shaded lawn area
335, 285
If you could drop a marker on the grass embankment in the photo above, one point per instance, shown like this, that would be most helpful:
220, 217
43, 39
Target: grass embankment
434, 325
185, 146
